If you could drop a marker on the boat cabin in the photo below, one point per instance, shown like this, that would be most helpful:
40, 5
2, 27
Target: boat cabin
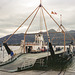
37, 46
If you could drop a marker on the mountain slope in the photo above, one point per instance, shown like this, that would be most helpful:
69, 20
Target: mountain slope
59, 37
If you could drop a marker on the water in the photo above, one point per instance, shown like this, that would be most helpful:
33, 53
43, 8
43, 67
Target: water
69, 70
3, 54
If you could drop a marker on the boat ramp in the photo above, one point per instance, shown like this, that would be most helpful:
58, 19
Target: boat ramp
25, 61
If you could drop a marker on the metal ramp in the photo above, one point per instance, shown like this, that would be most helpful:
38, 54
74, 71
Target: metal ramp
20, 63
23, 61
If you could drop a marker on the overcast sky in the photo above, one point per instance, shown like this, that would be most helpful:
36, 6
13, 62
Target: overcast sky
14, 12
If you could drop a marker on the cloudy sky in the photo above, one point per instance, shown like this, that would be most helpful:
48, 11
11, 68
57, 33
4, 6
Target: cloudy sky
14, 12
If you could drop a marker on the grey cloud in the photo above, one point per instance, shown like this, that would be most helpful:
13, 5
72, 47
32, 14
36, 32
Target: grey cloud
14, 12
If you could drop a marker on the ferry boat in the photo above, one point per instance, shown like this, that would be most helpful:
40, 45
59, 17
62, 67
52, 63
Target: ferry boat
38, 52
39, 45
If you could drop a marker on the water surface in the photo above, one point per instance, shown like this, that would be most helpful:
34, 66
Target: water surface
69, 69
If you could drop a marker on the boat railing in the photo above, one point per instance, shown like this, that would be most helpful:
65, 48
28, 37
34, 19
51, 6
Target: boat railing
33, 43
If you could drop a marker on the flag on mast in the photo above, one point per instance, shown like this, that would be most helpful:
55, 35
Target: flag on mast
53, 13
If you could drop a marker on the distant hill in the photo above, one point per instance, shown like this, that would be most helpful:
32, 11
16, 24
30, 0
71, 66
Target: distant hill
72, 31
51, 30
59, 38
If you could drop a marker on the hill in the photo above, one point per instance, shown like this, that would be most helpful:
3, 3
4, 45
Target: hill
59, 38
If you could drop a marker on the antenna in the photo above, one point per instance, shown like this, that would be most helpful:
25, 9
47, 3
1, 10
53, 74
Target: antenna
40, 1
60, 19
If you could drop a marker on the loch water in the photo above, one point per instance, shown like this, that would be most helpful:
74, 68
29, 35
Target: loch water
69, 68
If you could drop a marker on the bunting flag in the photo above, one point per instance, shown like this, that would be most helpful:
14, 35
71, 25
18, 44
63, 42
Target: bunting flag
53, 13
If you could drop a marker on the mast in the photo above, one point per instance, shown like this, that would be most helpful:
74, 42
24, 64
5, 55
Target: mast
40, 17
60, 19
40, 2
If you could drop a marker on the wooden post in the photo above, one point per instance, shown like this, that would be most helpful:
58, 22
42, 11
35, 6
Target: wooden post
46, 26
46, 31
21, 25
29, 27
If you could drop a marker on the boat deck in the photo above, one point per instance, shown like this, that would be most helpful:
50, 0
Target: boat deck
24, 61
